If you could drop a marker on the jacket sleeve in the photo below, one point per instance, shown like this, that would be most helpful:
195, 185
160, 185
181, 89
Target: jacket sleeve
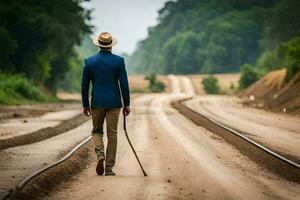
85, 84
124, 84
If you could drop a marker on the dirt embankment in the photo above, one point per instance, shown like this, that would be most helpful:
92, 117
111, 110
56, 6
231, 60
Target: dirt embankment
272, 93
34, 110
40, 186
258, 155
44, 133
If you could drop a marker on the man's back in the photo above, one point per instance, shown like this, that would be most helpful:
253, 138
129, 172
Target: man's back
108, 75
105, 70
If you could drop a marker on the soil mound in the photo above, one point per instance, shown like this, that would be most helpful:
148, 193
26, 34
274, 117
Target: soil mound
273, 93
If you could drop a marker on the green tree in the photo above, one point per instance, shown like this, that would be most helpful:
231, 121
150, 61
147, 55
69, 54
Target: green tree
72, 80
195, 36
283, 23
8, 46
286, 55
292, 56
270, 60
42, 36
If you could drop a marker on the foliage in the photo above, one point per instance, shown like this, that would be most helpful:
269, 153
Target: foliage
211, 85
72, 80
291, 52
286, 55
154, 85
270, 60
248, 76
283, 23
137, 90
8, 46
38, 37
215, 36
207, 36
17, 88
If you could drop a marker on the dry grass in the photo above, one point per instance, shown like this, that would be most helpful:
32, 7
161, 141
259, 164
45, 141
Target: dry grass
225, 81
138, 84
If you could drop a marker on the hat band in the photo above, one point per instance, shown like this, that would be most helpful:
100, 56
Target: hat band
105, 43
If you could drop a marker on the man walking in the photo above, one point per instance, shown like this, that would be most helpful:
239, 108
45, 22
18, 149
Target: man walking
109, 80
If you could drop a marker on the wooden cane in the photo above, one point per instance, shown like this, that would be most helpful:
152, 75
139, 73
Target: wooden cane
136, 156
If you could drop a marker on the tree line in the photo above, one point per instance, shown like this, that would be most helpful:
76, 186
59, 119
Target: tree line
37, 38
217, 36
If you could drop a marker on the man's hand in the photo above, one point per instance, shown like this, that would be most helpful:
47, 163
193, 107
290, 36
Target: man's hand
87, 111
126, 111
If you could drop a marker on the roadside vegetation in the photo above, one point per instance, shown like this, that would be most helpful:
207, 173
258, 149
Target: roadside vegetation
37, 40
219, 36
154, 84
72, 79
137, 90
287, 55
16, 89
211, 85
191, 37
248, 76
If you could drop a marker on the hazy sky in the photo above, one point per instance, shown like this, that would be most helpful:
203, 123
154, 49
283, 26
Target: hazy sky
127, 20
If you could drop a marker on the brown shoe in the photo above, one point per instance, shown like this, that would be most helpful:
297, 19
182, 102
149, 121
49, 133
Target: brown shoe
100, 167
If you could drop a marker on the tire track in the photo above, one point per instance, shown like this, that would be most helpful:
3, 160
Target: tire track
43, 133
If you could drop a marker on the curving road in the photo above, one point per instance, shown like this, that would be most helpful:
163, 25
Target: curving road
183, 161
18, 162
277, 131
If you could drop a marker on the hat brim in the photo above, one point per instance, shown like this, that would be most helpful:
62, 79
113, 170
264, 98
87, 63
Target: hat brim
96, 42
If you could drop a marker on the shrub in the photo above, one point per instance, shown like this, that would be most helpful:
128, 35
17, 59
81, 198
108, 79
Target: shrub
248, 76
7, 99
292, 56
286, 55
137, 90
16, 88
270, 61
154, 85
211, 85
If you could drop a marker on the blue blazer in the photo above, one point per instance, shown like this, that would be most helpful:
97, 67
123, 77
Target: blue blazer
106, 71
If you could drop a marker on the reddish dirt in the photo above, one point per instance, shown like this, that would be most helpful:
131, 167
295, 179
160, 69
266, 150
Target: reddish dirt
272, 93
288, 97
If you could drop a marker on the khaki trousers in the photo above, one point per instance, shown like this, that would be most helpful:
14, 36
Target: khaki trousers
111, 115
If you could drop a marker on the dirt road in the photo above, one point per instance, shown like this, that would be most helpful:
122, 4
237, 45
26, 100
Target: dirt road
15, 127
18, 162
183, 161
277, 131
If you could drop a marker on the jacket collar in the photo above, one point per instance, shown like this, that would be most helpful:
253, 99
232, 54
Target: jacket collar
105, 51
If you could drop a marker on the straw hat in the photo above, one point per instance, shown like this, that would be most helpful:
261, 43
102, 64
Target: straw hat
105, 40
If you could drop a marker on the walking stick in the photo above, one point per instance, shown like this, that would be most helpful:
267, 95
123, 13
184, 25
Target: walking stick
136, 156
